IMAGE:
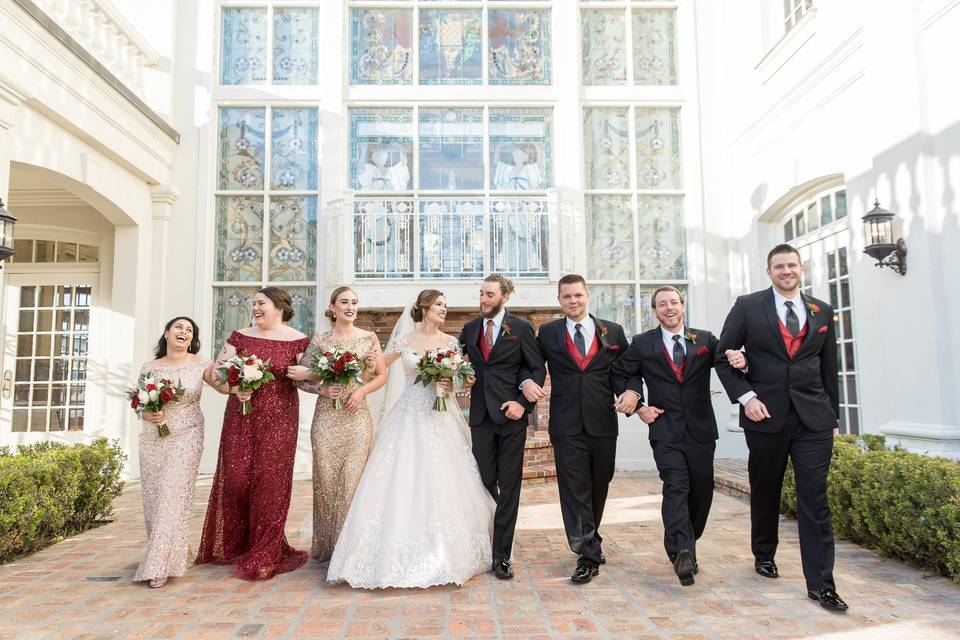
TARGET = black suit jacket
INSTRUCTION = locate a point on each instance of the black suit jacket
(686, 405)
(808, 381)
(498, 379)
(581, 399)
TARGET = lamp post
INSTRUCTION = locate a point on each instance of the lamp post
(880, 245)
(6, 232)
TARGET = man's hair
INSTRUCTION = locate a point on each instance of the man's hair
(506, 285)
(571, 278)
(782, 248)
(653, 298)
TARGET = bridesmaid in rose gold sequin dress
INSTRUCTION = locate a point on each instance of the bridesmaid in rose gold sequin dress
(247, 511)
(168, 466)
(340, 438)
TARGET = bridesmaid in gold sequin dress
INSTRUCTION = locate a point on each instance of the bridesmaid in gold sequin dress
(168, 466)
(341, 438)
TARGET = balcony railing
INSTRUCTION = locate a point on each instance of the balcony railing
(450, 237)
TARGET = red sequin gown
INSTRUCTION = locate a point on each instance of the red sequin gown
(251, 490)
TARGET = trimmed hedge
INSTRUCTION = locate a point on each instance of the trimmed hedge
(902, 505)
(50, 490)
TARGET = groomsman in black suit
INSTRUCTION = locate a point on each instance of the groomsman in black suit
(675, 362)
(789, 406)
(499, 346)
(580, 350)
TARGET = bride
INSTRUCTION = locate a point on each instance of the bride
(420, 516)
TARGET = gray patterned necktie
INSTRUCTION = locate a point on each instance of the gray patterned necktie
(677, 351)
(793, 322)
(578, 340)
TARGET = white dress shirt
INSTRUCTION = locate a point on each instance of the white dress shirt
(587, 328)
(667, 337)
(497, 323)
(798, 308)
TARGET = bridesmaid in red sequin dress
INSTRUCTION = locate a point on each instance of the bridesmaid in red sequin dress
(251, 490)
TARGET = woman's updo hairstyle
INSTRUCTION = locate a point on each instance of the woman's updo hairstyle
(328, 313)
(281, 300)
(426, 298)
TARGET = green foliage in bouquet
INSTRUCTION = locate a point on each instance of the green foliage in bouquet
(49, 491)
(902, 505)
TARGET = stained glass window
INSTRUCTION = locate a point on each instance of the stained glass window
(519, 46)
(293, 238)
(295, 136)
(615, 302)
(239, 239)
(518, 237)
(381, 149)
(451, 50)
(610, 237)
(296, 45)
(244, 46)
(606, 137)
(451, 149)
(521, 149)
(654, 47)
(383, 238)
(381, 42)
(451, 238)
(662, 245)
(604, 47)
(658, 148)
(241, 147)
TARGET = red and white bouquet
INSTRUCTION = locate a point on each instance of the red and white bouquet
(437, 364)
(248, 373)
(151, 394)
(338, 367)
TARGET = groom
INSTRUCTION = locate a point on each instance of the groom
(500, 346)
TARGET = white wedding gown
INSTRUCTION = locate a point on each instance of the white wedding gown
(420, 515)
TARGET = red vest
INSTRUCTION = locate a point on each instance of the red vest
(792, 343)
(582, 362)
(484, 349)
(677, 371)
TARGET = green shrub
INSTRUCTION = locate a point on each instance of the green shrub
(903, 505)
(50, 490)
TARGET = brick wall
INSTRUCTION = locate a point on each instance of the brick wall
(382, 322)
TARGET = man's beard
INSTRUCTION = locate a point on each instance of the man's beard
(493, 313)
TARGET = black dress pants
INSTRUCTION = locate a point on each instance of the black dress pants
(498, 449)
(686, 468)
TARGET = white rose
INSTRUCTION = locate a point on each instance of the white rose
(457, 358)
(250, 373)
(447, 363)
(153, 395)
(143, 396)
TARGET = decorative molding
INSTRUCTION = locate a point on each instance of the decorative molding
(45, 198)
(93, 62)
(164, 194)
(922, 431)
(799, 194)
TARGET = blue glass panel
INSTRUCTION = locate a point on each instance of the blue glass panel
(450, 47)
(381, 149)
(451, 238)
(293, 163)
(383, 238)
(451, 149)
(244, 47)
(296, 45)
(381, 46)
(241, 148)
(521, 149)
(518, 237)
(519, 46)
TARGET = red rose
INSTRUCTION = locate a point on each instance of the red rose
(348, 357)
(167, 394)
(249, 361)
(233, 376)
(134, 402)
(151, 387)
(327, 354)
(439, 357)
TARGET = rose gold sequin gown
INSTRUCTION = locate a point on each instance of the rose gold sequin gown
(341, 443)
(168, 474)
(251, 490)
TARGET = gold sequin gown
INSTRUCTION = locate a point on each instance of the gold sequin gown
(168, 474)
(341, 442)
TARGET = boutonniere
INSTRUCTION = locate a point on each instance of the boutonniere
(813, 309)
(505, 331)
(690, 335)
(702, 351)
(603, 329)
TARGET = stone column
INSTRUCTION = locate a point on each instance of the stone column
(162, 198)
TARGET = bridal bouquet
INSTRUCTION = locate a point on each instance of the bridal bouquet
(338, 367)
(437, 364)
(248, 372)
(151, 394)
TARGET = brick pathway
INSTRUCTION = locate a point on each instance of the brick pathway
(80, 588)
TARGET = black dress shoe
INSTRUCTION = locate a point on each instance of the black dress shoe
(766, 568)
(684, 566)
(584, 573)
(502, 569)
(828, 599)
(603, 558)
